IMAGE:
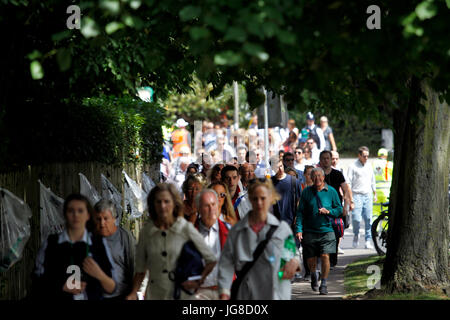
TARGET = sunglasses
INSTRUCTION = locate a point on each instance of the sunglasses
(290, 159)
(299, 152)
(222, 195)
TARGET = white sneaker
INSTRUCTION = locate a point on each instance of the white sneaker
(355, 241)
(340, 251)
(369, 245)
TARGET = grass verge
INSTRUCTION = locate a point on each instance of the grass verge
(356, 276)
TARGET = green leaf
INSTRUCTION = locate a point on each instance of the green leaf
(228, 57)
(409, 19)
(135, 4)
(219, 22)
(189, 13)
(36, 70)
(128, 20)
(255, 50)
(235, 34)
(64, 59)
(448, 3)
(61, 35)
(34, 55)
(198, 33)
(426, 10)
(113, 6)
(89, 28)
(286, 37)
(269, 29)
(113, 27)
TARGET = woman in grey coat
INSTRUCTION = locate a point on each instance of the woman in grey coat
(262, 282)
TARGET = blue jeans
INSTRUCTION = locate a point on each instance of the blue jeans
(363, 209)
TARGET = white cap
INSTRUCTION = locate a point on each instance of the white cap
(181, 123)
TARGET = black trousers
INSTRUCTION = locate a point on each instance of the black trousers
(334, 256)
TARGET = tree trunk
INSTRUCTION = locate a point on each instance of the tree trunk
(418, 255)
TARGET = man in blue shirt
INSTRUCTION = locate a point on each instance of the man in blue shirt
(288, 161)
(318, 203)
(289, 188)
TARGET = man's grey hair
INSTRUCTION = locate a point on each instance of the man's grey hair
(317, 169)
(198, 196)
(106, 205)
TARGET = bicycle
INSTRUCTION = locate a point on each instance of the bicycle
(379, 230)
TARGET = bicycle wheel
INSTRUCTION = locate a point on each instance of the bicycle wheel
(379, 232)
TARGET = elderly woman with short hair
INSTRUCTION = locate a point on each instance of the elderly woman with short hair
(160, 243)
(262, 281)
(121, 244)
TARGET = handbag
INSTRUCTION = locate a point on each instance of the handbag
(246, 268)
(336, 223)
(189, 266)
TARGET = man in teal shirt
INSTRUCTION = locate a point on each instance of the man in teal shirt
(313, 226)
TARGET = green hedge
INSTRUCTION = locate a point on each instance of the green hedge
(106, 129)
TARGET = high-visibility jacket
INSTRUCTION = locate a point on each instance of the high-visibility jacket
(180, 138)
(382, 170)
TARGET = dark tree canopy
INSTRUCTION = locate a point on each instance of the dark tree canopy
(322, 47)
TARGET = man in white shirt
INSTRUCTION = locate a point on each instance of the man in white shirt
(299, 164)
(362, 182)
(214, 232)
(315, 152)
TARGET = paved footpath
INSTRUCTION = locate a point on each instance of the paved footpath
(302, 290)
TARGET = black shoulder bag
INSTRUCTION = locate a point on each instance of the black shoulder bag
(241, 274)
(189, 264)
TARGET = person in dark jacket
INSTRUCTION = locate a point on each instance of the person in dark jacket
(75, 264)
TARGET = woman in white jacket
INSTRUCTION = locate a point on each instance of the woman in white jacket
(242, 241)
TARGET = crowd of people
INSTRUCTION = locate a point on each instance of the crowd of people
(241, 216)
(219, 144)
